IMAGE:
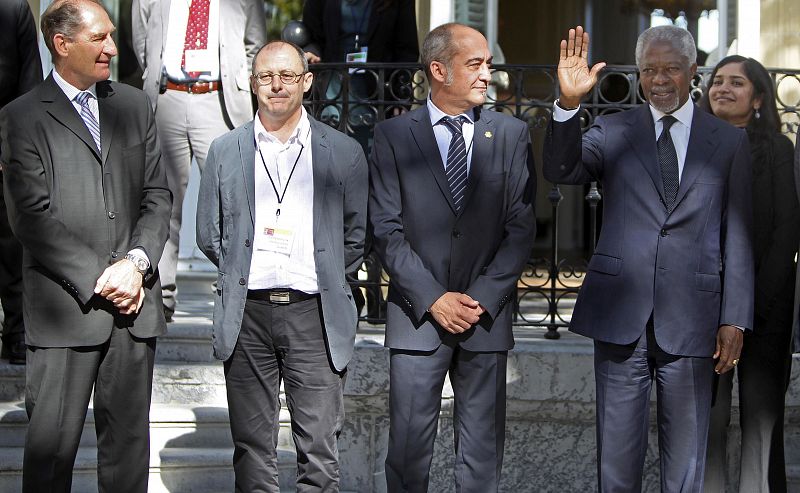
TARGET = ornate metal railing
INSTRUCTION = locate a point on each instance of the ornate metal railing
(353, 98)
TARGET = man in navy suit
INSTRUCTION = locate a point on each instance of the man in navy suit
(451, 204)
(670, 286)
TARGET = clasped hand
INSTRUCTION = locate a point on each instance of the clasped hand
(456, 312)
(121, 284)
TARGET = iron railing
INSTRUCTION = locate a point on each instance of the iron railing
(352, 98)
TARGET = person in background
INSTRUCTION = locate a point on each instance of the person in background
(741, 92)
(20, 71)
(196, 57)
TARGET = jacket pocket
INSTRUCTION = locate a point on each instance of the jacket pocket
(605, 264)
(707, 282)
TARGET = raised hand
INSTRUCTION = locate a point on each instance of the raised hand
(575, 77)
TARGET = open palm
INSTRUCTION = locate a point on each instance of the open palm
(575, 78)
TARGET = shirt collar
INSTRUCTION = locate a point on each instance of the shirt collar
(683, 114)
(436, 114)
(69, 90)
(299, 135)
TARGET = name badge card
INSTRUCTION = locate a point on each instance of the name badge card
(356, 57)
(278, 240)
(198, 61)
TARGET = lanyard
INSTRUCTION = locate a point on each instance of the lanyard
(359, 22)
(280, 196)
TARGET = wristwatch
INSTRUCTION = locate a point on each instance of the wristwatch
(141, 264)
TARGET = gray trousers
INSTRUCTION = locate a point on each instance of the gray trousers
(763, 378)
(624, 376)
(416, 379)
(187, 123)
(58, 386)
(284, 342)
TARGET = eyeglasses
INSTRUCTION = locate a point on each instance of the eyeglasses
(288, 78)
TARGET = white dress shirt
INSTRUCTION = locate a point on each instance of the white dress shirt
(270, 268)
(176, 35)
(443, 134)
(679, 131)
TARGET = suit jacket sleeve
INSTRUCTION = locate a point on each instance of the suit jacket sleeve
(406, 45)
(776, 265)
(355, 210)
(140, 17)
(570, 159)
(30, 73)
(209, 220)
(503, 271)
(407, 271)
(737, 256)
(255, 31)
(313, 20)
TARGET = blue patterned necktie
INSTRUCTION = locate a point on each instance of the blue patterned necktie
(668, 162)
(456, 160)
(88, 117)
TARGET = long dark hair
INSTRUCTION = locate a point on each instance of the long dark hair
(763, 86)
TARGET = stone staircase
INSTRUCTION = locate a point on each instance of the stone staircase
(550, 435)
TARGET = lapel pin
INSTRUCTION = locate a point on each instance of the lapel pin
(487, 134)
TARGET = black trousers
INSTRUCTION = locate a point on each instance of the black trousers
(763, 379)
(58, 386)
(10, 276)
(284, 342)
(479, 416)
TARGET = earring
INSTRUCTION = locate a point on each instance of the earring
(757, 114)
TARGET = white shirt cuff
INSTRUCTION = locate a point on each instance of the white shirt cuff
(138, 252)
(562, 115)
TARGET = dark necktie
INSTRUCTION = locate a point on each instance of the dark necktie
(668, 162)
(456, 160)
(196, 30)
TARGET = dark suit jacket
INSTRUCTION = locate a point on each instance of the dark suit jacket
(428, 249)
(776, 225)
(20, 65)
(226, 218)
(692, 269)
(76, 212)
(391, 32)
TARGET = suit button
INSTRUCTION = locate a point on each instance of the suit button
(242, 282)
(664, 233)
(456, 233)
(111, 215)
(114, 254)
(247, 242)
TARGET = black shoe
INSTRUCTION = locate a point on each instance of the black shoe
(14, 351)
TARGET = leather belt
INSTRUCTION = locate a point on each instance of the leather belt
(279, 296)
(195, 87)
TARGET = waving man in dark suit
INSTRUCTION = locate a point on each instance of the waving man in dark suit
(88, 201)
(670, 285)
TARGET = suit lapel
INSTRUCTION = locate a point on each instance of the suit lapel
(247, 155)
(320, 163)
(61, 109)
(641, 136)
(699, 152)
(482, 141)
(423, 135)
(108, 117)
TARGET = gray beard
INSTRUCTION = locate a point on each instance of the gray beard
(668, 107)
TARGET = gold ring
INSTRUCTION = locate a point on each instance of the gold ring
(735, 362)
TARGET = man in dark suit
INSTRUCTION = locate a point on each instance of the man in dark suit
(282, 214)
(451, 204)
(20, 71)
(670, 285)
(89, 203)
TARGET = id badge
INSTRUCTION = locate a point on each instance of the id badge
(278, 240)
(198, 61)
(356, 57)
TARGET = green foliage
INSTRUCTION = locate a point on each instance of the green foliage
(279, 13)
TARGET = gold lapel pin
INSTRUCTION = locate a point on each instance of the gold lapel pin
(487, 134)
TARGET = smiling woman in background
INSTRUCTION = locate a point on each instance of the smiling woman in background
(741, 92)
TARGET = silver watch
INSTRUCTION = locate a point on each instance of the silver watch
(141, 264)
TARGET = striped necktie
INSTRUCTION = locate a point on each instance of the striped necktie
(456, 160)
(88, 117)
(668, 162)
